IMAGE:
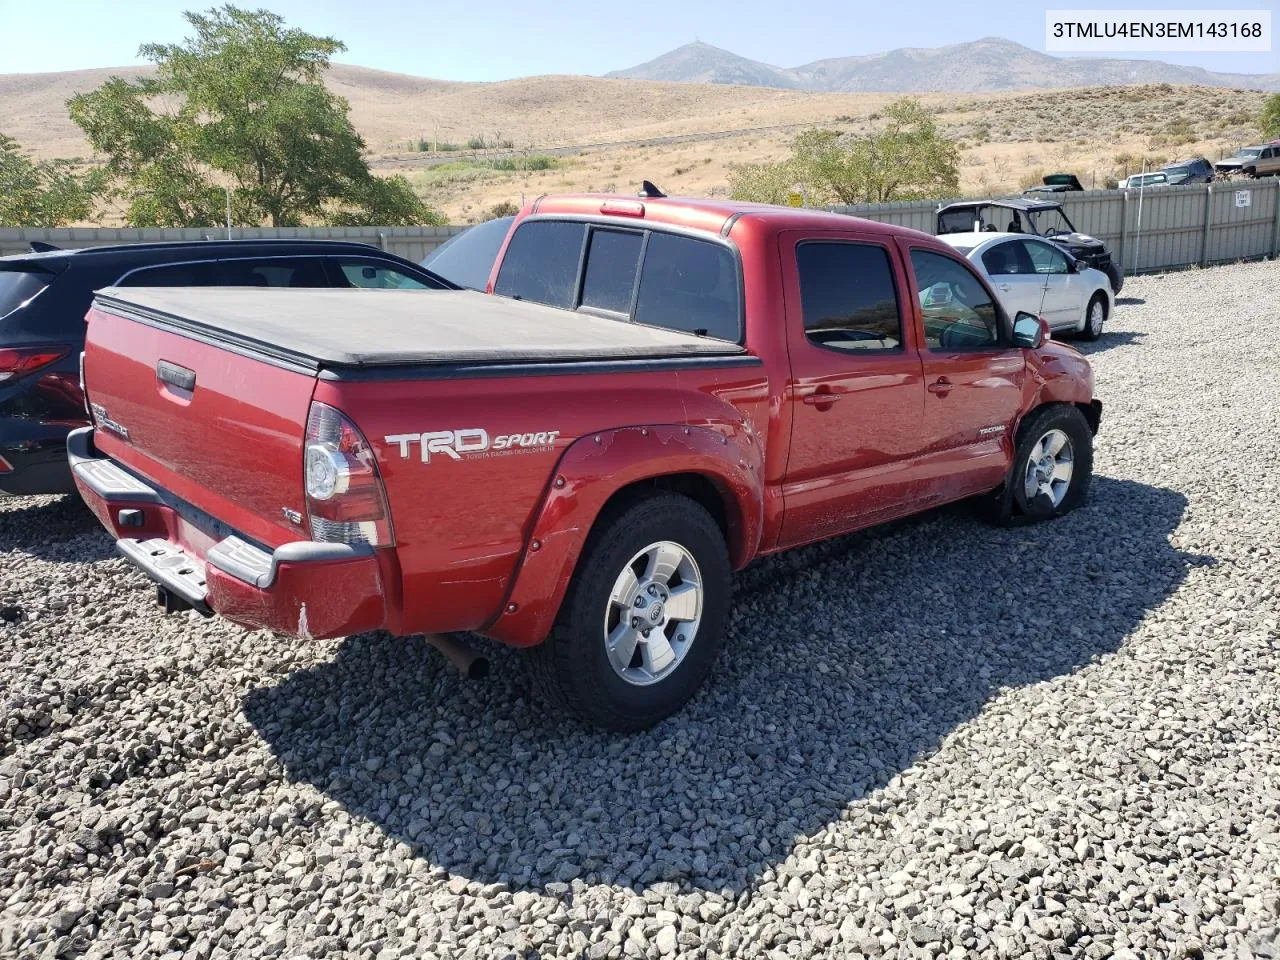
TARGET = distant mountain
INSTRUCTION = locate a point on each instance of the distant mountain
(703, 63)
(986, 65)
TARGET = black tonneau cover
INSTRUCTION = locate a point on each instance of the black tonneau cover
(319, 328)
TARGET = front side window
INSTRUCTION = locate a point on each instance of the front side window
(1046, 259)
(541, 262)
(378, 276)
(958, 312)
(848, 296)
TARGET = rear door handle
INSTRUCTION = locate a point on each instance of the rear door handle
(941, 387)
(1005, 287)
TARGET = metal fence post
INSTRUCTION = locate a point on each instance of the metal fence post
(1208, 225)
(1124, 231)
(1275, 226)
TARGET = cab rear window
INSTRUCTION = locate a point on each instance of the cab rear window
(541, 263)
(647, 276)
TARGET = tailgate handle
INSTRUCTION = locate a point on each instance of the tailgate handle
(176, 376)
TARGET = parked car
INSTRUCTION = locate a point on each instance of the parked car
(466, 258)
(45, 295)
(1259, 161)
(661, 391)
(1055, 183)
(1140, 181)
(1042, 218)
(1195, 170)
(1034, 276)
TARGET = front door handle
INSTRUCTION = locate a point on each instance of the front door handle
(941, 387)
(821, 398)
(1005, 287)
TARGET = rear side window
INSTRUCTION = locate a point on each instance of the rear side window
(271, 272)
(266, 272)
(848, 296)
(1009, 258)
(541, 262)
(174, 275)
(689, 285)
(19, 286)
(610, 278)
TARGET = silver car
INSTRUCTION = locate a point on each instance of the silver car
(1040, 277)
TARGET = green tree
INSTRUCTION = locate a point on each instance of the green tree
(765, 182)
(241, 104)
(44, 193)
(905, 158)
(1270, 119)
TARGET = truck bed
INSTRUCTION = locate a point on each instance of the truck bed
(318, 328)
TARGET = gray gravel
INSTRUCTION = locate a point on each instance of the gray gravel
(939, 739)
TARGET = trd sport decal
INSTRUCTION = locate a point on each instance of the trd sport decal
(469, 441)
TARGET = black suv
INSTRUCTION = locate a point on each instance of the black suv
(1042, 218)
(45, 294)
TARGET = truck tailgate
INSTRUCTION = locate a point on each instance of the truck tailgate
(220, 429)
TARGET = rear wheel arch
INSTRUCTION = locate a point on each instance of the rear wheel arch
(702, 488)
(719, 469)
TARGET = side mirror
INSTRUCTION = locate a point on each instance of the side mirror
(1028, 331)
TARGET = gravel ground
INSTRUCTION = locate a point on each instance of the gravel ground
(939, 739)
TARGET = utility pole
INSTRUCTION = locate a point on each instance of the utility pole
(228, 190)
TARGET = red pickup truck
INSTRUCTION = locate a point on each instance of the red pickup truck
(654, 393)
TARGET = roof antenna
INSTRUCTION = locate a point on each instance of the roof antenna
(647, 189)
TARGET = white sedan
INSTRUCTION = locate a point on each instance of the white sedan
(1039, 277)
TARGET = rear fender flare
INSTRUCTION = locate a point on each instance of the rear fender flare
(596, 467)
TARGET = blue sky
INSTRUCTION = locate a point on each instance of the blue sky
(499, 39)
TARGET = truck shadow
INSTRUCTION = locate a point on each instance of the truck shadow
(845, 664)
(60, 529)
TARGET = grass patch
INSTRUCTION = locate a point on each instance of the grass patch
(471, 170)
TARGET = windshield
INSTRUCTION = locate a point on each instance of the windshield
(1051, 222)
(467, 258)
(963, 220)
(1249, 153)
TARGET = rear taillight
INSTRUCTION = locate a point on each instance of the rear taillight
(17, 362)
(5, 466)
(345, 499)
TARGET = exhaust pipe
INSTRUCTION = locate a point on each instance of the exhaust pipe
(469, 662)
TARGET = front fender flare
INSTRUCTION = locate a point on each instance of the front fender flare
(596, 467)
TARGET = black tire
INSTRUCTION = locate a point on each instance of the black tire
(1115, 276)
(1068, 419)
(1089, 333)
(572, 667)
